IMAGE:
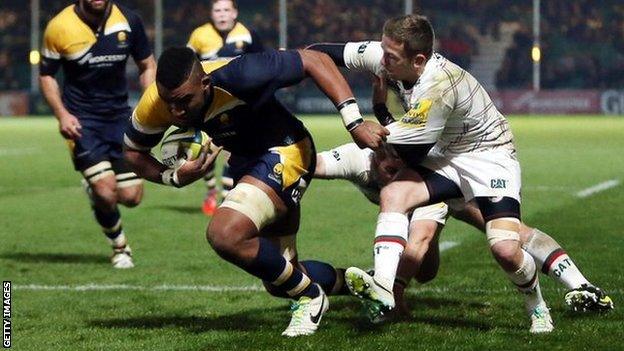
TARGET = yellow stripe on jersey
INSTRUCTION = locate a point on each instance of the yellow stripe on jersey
(67, 36)
(152, 115)
(295, 161)
(116, 22)
(206, 41)
(222, 101)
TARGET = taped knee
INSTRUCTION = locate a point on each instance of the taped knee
(253, 203)
(502, 229)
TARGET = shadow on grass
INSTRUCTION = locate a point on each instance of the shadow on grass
(178, 208)
(29, 257)
(243, 321)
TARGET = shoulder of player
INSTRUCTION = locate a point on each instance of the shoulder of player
(151, 111)
(126, 14)
(62, 20)
(240, 29)
(203, 29)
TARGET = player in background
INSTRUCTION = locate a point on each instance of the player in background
(273, 158)
(473, 158)
(91, 41)
(370, 170)
(222, 37)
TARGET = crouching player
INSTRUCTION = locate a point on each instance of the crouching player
(370, 170)
(273, 158)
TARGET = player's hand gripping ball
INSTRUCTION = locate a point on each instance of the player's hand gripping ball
(181, 145)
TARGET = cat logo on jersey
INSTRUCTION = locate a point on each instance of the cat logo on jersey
(417, 116)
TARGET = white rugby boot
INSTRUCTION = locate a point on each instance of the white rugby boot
(541, 322)
(122, 257)
(306, 314)
(377, 300)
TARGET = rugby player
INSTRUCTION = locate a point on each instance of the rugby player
(223, 37)
(273, 157)
(473, 158)
(91, 40)
(370, 170)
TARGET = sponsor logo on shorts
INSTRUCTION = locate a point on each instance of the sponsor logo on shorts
(498, 183)
(276, 175)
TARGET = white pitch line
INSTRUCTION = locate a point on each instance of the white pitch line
(598, 188)
(444, 245)
(248, 288)
(116, 287)
(447, 245)
(17, 151)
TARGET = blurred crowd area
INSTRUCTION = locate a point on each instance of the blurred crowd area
(581, 41)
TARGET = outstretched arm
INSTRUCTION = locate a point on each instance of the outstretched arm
(325, 73)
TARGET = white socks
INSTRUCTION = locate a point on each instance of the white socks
(390, 241)
(553, 260)
(525, 278)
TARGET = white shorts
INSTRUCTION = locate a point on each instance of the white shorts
(479, 174)
(436, 212)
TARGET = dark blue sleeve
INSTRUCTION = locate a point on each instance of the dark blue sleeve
(48, 66)
(256, 77)
(140, 48)
(256, 43)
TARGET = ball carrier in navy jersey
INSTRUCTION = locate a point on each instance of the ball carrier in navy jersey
(273, 158)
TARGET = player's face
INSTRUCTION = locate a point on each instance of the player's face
(385, 164)
(186, 102)
(223, 15)
(398, 65)
(95, 6)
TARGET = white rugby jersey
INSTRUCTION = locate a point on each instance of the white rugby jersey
(446, 106)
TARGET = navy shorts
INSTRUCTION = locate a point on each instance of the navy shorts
(102, 140)
(286, 169)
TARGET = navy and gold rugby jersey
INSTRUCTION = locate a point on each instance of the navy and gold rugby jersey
(94, 63)
(210, 44)
(243, 114)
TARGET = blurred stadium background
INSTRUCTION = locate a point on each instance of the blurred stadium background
(576, 71)
(182, 296)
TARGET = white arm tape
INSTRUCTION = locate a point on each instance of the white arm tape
(170, 177)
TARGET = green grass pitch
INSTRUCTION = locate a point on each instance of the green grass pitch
(181, 296)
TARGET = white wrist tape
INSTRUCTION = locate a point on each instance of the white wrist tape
(170, 177)
(350, 112)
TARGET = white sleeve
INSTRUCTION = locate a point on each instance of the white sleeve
(347, 161)
(364, 56)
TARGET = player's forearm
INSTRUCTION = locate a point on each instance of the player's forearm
(144, 165)
(52, 94)
(328, 78)
(326, 75)
(147, 71)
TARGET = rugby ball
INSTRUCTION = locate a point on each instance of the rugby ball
(181, 145)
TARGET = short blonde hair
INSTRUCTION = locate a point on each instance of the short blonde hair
(413, 31)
